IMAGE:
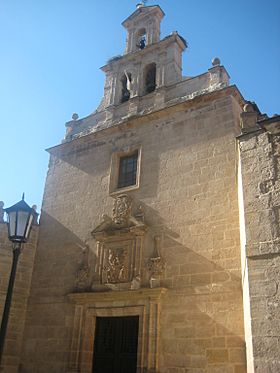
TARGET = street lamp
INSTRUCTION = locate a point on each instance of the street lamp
(20, 217)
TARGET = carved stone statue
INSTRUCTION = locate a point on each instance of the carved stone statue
(156, 264)
(83, 273)
(36, 215)
(116, 267)
(139, 214)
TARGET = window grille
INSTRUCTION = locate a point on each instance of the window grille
(128, 170)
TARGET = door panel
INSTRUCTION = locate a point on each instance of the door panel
(115, 346)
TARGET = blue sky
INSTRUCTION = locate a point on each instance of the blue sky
(51, 52)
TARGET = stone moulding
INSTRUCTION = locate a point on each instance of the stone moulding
(144, 303)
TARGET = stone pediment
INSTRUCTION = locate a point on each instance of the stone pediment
(122, 220)
(142, 12)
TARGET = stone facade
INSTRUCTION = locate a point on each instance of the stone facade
(167, 247)
(188, 193)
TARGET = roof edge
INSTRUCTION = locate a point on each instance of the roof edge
(232, 90)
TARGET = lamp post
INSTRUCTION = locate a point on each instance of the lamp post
(20, 218)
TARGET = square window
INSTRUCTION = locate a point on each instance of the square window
(125, 170)
(128, 170)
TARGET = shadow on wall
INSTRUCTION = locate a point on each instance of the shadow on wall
(197, 340)
(48, 326)
(203, 308)
(196, 269)
(57, 258)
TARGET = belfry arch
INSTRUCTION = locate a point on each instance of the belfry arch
(125, 87)
(149, 77)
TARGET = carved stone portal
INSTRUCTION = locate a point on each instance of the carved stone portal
(145, 303)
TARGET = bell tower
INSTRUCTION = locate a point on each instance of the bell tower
(148, 65)
(143, 27)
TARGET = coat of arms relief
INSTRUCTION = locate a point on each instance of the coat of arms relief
(118, 250)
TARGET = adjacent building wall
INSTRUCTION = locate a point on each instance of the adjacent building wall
(259, 155)
(13, 344)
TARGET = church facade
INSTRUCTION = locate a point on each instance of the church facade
(158, 245)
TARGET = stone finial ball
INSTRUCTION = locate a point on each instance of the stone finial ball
(75, 116)
(34, 207)
(248, 108)
(216, 61)
(1, 204)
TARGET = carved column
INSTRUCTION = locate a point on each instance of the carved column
(76, 340)
(153, 341)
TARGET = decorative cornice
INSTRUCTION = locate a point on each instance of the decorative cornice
(90, 139)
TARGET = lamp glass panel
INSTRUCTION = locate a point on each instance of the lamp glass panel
(12, 223)
(22, 223)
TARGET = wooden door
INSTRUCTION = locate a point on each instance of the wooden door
(115, 344)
